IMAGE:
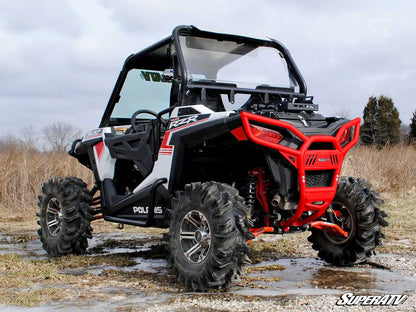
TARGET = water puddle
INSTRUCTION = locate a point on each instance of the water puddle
(26, 246)
(309, 276)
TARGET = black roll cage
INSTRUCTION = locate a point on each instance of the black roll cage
(167, 54)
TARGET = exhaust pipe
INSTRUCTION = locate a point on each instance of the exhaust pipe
(276, 200)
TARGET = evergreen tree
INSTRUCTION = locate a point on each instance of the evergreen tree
(369, 128)
(381, 122)
(412, 133)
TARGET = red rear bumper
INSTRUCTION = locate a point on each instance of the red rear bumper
(310, 163)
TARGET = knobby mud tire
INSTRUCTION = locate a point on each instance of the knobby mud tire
(364, 205)
(69, 198)
(223, 210)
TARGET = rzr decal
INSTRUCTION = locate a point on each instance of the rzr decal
(182, 121)
(179, 123)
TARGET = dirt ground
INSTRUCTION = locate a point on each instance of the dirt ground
(127, 270)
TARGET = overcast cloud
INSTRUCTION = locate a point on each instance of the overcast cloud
(59, 59)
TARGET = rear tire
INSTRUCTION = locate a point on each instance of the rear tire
(356, 210)
(64, 216)
(208, 235)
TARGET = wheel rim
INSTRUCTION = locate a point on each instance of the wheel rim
(195, 236)
(54, 216)
(345, 220)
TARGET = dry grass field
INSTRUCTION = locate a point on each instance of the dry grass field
(392, 171)
(22, 175)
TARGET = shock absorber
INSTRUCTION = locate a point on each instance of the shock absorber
(250, 192)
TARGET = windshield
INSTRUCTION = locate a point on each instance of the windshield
(142, 89)
(245, 64)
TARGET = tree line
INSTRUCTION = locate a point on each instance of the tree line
(382, 125)
(57, 137)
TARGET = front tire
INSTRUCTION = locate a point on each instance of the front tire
(208, 235)
(64, 216)
(356, 209)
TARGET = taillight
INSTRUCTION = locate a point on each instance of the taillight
(346, 136)
(265, 134)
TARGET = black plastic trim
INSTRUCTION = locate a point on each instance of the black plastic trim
(113, 202)
(191, 136)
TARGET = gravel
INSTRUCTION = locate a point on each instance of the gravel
(404, 265)
(300, 303)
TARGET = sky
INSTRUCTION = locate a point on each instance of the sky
(59, 60)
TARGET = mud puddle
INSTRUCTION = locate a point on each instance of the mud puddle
(146, 250)
(143, 255)
(308, 276)
(26, 246)
(283, 277)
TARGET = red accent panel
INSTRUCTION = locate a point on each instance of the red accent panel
(165, 141)
(312, 199)
(99, 148)
(239, 134)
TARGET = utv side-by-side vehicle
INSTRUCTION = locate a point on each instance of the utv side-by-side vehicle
(214, 137)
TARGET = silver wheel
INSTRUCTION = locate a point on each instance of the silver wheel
(54, 216)
(195, 236)
(355, 209)
(207, 237)
(344, 218)
(64, 216)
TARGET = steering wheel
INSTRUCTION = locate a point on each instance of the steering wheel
(145, 111)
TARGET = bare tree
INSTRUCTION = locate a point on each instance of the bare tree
(10, 142)
(29, 138)
(59, 135)
(342, 112)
